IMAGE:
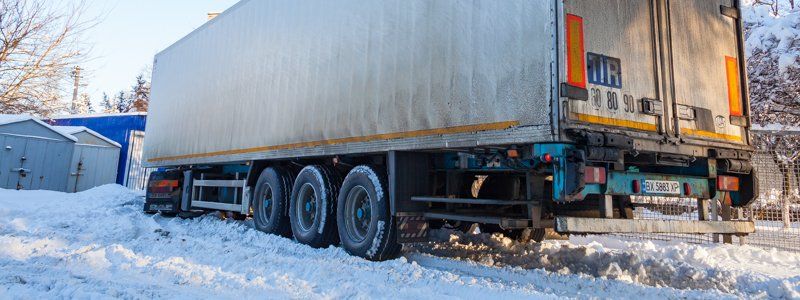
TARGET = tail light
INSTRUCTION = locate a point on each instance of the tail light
(546, 158)
(164, 183)
(162, 186)
(576, 56)
(636, 186)
(728, 183)
(596, 175)
(734, 88)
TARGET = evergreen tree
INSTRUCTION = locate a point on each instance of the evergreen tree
(123, 102)
(84, 105)
(141, 94)
(108, 105)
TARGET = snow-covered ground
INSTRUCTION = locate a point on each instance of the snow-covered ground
(98, 244)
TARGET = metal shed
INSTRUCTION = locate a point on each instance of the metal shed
(94, 161)
(33, 155)
(127, 129)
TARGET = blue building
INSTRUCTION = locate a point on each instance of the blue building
(126, 129)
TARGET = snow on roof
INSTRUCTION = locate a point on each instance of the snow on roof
(10, 119)
(71, 130)
(86, 116)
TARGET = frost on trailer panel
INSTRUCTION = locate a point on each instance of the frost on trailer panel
(273, 75)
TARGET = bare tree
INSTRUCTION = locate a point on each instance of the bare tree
(38, 47)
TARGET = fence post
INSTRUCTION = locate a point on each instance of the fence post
(715, 214)
(786, 213)
(726, 216)
(740, 217)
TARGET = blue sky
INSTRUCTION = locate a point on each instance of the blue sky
(131, 32)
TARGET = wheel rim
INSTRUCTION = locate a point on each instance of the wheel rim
(265, 207)
(358, 214)
(306, 208)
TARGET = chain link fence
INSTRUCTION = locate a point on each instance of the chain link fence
(776, 210)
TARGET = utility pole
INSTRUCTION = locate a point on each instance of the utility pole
(76, 75)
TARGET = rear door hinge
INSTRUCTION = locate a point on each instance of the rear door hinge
(729, 11)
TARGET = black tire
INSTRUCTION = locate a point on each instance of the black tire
(366, 225)
(271, 201)
(312, 211)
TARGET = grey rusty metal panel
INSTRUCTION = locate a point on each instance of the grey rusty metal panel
(92, 166)
(671, 51)
(621, 29)
(702, 38)
(328, 77)
(29, 162)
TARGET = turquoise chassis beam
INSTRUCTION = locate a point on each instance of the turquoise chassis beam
(568, 182)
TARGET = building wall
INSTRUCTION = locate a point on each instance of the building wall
(115, 127)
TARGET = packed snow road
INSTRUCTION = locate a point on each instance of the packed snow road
(98, 244)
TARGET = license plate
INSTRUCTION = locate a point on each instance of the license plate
(662, 187)
(161, 207)
(160, 196)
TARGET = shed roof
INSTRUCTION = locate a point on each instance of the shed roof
(71, 130)
(11, 119)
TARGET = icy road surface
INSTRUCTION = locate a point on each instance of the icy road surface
(98, 244)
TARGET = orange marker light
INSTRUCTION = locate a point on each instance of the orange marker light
(734, 88)
(728, 183)
(164, 183)
(576, 54)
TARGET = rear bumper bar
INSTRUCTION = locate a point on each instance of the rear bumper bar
(596, 225)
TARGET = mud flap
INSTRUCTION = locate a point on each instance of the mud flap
(412, 228)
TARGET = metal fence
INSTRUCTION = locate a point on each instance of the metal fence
(776, 211)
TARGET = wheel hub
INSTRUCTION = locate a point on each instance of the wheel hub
(358, 213)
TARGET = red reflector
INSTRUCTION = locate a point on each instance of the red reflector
(687, 189)
(637, 187)
(595, 175)
(547, 158)
(728, 183)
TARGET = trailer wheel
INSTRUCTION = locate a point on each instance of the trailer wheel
(366, 225)
(271, 197)
(312, 211)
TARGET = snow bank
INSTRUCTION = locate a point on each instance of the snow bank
(99, 244)
(739, 270)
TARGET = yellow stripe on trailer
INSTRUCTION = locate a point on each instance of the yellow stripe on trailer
(386, 136)
(615, 122)
(713, 135)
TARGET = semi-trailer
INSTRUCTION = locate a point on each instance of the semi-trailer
(367, 123)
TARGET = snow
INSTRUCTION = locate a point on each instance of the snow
(773, 34)
(98, 244)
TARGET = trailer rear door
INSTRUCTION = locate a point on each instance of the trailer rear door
(667, 68)
(618, 55)
(708, 85)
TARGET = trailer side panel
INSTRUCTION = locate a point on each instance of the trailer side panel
(282, 75)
